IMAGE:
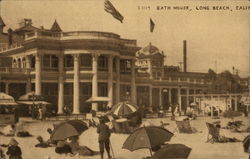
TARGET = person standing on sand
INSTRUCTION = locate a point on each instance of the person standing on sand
(14, 151)
(104, 135)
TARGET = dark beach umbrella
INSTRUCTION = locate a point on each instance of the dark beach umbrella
(246, 143)
(147, 137)
(68, 129)
(172, 151)
(124, 108)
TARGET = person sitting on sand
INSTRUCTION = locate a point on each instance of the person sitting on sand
(77, 149)
(14, 151)
(20, 130)
(42, 143)
(50, 131)
(8, 130)
(63, 147)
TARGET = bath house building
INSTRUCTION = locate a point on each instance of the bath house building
(87, 70)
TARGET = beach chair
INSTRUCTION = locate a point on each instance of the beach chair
(213, 133)
(184, 127)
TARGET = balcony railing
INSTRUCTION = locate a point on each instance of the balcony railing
(11, 47)
(14, 70)
(49, 69)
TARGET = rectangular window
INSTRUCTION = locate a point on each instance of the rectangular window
(46, 61)
(68, 61)
(125, 66)
(102, 89)
(54, 61)
(49, 89)
(86, 60)
(68, 89)
(86, 89)
(102, 63)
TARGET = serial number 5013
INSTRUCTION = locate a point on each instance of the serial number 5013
(143, 7)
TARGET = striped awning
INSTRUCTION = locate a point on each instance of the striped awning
(124, 108)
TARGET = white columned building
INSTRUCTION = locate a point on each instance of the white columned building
(76, 100)
(60, 85)
(94, 80)
(38, 80)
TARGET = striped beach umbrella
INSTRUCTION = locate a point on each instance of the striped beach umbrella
(124, 108)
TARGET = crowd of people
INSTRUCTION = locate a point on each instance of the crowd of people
(38, 112)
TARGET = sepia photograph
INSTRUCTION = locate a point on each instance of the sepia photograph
(124, 79)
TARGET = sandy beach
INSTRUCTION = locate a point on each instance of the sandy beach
(197, 141)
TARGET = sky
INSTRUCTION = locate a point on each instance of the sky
(215, 39)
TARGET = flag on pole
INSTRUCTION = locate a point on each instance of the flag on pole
(108, 7)
(152, 25)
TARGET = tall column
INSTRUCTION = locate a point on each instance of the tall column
(133, 87)
(76, 99)
(179, 99)
(117, 63)
(94, 80)
(38, 81)
(187, 97)
(170, 95)
(230, 102)
(235, 104)
(160, 97)
(150, 96)
(28, 62)
(28, 85)
(60, 86)
(110, 81)
(7, 88)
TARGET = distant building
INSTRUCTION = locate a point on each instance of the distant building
(88, 69)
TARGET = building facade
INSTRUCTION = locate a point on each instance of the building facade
(86, 70)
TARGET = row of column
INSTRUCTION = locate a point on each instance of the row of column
(170, 96)
(76, 82)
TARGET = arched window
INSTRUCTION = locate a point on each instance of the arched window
(14, 63)
(32, 61)
(19, 63)
(23, 62)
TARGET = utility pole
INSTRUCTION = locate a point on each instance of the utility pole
(216, 66)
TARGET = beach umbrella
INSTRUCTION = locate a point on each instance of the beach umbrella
(147, 137)
(246, 144)
(6, 99)
(32, 98)
(124, 108)
(68, 129)
(172, 151)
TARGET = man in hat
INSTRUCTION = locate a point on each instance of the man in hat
(14, 151)
(104, 135)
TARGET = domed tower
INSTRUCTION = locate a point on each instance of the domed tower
(151, 60)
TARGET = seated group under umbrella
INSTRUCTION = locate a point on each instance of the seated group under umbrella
(154, 138)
